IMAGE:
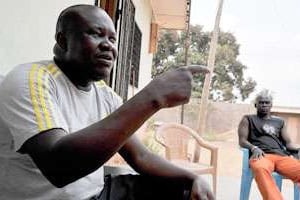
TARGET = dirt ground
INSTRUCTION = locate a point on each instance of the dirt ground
(229, 157)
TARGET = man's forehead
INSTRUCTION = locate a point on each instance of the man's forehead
(83, 9)
(96, 16)
(91, 12)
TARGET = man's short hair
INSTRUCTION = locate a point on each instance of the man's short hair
(67, 18)
(264, 94)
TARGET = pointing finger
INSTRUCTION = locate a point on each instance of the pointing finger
(195, 69)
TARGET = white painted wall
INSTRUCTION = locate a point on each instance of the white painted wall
(143, 14)
(27, 30)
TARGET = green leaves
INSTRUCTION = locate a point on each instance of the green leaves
(228, 82)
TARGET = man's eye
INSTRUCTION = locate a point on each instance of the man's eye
(112, 40)
(96, 35)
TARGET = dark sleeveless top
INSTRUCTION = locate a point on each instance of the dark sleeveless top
(266, 134)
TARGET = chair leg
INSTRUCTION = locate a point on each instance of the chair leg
(278, 180)
(214, 176)
(296, 192)
(245, 185)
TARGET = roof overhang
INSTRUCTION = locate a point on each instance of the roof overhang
(171, 14)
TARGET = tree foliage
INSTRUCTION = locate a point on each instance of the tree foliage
(228, 81)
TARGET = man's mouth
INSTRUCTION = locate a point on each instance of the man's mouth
(106, 56)
(105, 59)
(105, 62)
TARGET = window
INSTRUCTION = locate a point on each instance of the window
(135, 56)
(125, 47)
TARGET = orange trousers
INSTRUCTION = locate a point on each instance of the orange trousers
(262, 169)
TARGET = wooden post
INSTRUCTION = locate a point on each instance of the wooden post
(207, 81)
(187, 46)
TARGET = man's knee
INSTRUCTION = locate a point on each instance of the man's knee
(259, 167)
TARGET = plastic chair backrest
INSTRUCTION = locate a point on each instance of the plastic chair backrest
(176, 139)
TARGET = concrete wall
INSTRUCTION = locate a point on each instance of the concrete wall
(292, 125)
(222, 118)
(225, 117)
(27, 30)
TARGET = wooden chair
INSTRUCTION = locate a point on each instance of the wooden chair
(176, 139)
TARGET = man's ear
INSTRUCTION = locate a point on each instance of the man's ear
(255, 105)
(61, 40)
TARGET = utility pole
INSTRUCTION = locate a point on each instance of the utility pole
(187, 46)
(207, 81)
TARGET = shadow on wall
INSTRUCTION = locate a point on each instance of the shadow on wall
(1, 78)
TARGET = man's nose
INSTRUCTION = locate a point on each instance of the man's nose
(106, 44)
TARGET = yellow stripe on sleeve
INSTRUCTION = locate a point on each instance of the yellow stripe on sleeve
(53, 69)
(34, 97)
(101, 83)
(42, 96)
(50, 103)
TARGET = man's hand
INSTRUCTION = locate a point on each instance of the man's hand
(257, 153)
(201, 190)
(174, 87)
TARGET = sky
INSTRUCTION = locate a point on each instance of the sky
(268, 32)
